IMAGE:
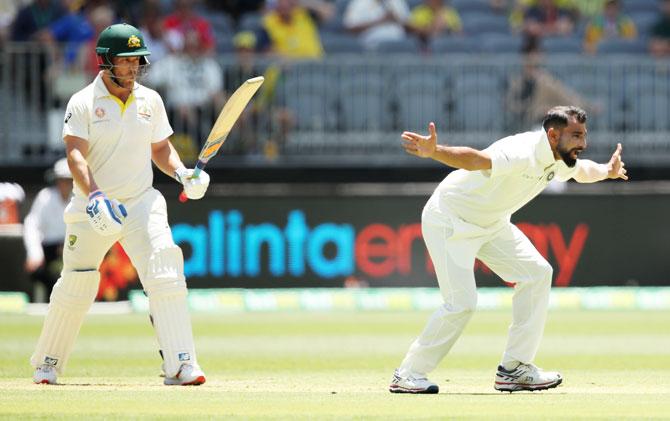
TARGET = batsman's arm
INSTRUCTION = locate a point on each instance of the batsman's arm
(166, 158)
(76, 150)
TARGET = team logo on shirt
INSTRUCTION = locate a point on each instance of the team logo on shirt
(100, 112)
(71, 240)
(144, 112)
(551, 175)
(68, 117)
(134, 42)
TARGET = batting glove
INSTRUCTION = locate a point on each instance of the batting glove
(105, 215)
(194, 188)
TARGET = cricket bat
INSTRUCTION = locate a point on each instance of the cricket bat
(224, 124)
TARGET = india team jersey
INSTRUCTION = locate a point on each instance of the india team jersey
(119, 136)
(522, 166)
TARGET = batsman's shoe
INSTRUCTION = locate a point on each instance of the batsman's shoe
(45, 374)
(188, 375)
(412, 384)
(526, 377)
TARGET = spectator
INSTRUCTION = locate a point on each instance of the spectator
(588, 9)
(72, 29)
(236, 8)
(184, 20)
(151, 25)
(192, 82)
(659, 45)
(30, 21)
(36, 16)
(44, 228)
(246, 67)
(291, 31)
(546, 18)
(11, 194)
(322, 10)
(536, 89)
(264, 112)
(100, 18)
(611, 23)
(433, 18)
(376, 21)
(8, 10)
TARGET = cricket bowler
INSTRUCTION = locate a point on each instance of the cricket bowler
(114, 128)
(468, 217)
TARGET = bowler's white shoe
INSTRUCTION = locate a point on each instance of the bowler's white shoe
(45, 374)
(188, 375)
(526, 377)
(411, 384)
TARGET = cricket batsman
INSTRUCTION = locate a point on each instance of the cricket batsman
(114, 128)
(468, 217)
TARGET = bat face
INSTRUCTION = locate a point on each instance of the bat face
(229, 115)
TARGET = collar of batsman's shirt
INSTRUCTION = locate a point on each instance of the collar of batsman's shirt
(101, 90)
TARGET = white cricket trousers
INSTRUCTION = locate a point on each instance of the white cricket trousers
(453, 245)
(147, 239)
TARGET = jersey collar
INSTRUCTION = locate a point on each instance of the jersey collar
(101, 90)
(543, 152)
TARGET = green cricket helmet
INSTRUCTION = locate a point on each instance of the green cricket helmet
(121, 40)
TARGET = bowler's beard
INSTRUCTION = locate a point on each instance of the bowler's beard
(567, 157)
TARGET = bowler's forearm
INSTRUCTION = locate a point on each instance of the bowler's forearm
(591, 172)
(462, 157)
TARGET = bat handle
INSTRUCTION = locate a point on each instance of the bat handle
(196, 173)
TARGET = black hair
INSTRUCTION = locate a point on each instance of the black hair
(559, 116)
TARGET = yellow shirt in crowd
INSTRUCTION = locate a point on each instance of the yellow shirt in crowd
(298, 38)
(423, 17)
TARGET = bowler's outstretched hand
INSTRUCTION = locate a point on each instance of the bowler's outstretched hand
(421, 146)
(615, 167)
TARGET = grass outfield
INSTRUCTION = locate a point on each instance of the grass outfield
(616, 365)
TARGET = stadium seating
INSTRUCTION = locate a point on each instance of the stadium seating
(475, 24)
(631, 6)
(621, 46)
(400, 46)
(466, 6)
(454, 45)
(364, 102)
(338, 43)
(251, 22)
(562, 45)
(501, 43)
(421, 97)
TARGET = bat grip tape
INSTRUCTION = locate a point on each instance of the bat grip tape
(198, 168)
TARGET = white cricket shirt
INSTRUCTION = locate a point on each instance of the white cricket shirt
(360, 12)
(44, 223)
(119, 137)
(522, 166)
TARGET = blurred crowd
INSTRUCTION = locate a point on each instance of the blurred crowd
(312, 28)
(186, 38)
